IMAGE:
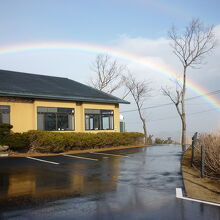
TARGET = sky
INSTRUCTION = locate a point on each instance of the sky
(137, 26)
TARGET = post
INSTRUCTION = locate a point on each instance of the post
(202, 161)
(194, 139)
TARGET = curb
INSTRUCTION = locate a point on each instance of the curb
(179, 195)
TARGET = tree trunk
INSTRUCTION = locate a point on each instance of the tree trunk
(144, 125)
(145, 130)
(183, 116)
(183, 141)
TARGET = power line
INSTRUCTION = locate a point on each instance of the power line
(191, 114)
(171, 103)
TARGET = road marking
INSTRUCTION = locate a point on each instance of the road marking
(116, 155)
(3, 155)
(179, 195)
(85, 158)
(46, 161)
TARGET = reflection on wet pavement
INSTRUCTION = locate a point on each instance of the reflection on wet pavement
(141, 186)
(75, 179)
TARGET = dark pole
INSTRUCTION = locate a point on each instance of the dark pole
(202, 161)
(194, 139)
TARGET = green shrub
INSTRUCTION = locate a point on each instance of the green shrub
(55, 142)
(161, 141)
(5, 130)
(17, 141)
(13, 140)
(45, 141)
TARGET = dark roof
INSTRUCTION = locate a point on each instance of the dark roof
(18, 84)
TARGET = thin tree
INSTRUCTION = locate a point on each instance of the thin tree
(190, 46)
(139, 90)
(108, 74)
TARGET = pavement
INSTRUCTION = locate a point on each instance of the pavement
(136, 183)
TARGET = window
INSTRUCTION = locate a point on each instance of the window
(55, 119)
(96, 119)
(5, 114)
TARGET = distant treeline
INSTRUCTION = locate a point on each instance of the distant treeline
(160, 140)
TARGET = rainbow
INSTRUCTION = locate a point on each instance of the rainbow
(93, 48)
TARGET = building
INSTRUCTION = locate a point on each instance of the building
(37, 102)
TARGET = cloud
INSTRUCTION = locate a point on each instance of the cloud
(77, 66)
(143, 46)
(217, 31)
(160, 53)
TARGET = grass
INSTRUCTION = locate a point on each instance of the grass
(211, 142)
(196, 187)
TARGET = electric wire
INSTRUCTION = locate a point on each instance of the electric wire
(171, 103)
(174, 117)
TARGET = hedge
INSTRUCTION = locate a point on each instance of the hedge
(44, 141)
(5, 130)
(17, 141)
(54, 142)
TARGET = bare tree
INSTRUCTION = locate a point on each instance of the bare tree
(139, 90)
(108, 73)
(190, 46)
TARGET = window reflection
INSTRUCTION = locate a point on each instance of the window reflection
(5, 114)
(35, 183)
(96, 119)
(55, 119)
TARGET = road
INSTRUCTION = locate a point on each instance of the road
(137, 183)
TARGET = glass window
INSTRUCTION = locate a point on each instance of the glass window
(92, 111)
(96, 119)
(65, 110)
(55, 119)
(5, 114)
(40, 122)
(91, 121)
(64, 122)
(87, 121)
(50, 122)
(105, 122)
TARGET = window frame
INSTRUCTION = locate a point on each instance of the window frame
(100, 119)
(9, 113)
(56, 117)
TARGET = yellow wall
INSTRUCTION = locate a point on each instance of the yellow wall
(23, 112)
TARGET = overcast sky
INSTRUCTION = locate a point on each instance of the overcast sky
(137, 26)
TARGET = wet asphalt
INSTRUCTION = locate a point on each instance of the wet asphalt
(137, 183)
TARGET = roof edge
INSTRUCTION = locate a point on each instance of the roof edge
(67, 98)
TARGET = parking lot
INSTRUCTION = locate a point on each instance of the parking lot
(135, 183)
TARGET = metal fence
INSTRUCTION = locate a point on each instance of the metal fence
(198, 157)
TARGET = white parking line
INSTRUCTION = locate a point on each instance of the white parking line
(179, 195)
(116, 155)
(3, 155)
(46, 161)
(85, 158)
